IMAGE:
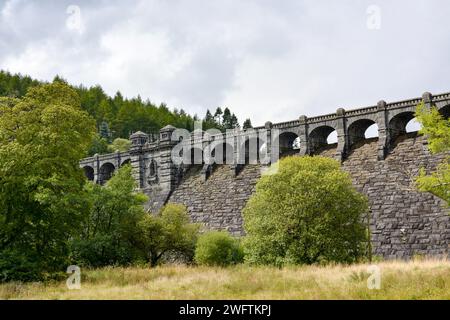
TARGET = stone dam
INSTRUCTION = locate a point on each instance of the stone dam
(403, 221)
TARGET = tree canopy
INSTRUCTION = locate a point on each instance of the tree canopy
(437, 130)
(43, 135)
(118, 117)
(306, 212)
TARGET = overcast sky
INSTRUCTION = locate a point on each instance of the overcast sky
(267, 60)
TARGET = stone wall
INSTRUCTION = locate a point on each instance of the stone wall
(218, 201)
(404, 222)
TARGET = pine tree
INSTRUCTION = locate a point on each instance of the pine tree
(247, 124)
(104, 131)
(218, 115)
(227, 119)
(234, 122)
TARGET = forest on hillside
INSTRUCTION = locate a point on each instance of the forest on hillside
(118, 117)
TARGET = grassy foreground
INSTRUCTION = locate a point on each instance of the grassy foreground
(399, 280)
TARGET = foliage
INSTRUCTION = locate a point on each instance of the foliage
(401, 280)
(218, 248)
(42, 137)
(247, 124)
(117, 117)
(104, 131)
(168, 231)
(115, 210)
(221, 120)
(99, 145)
(119, 144)
(306, 212)
(437, 129)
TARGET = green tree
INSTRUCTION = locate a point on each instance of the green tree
(234, 122)
(209, 121)
(218, 115)
(104, 131)
(114, 211)
(116, 117)
(306, 212)
(98, 145)
(247, 124)
(42, 138)
(227, 119)
(218, 248)
(119, 144)
(437, 130)
(168, 231)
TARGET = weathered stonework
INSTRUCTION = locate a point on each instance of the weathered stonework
(404, 221)
(218, 201)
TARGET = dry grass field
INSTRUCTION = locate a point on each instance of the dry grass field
(428, 279)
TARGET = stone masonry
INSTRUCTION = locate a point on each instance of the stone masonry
(403, 221)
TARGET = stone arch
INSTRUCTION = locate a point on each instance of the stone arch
(287, 143)
(398, 123)
(89, 173)
(249, 150)
(221, 152)
(196, 156)
(125, 162)
(152, 168)
(152, 176)
(357, 131)
(317, 138)
(106, 172)
(445, 111)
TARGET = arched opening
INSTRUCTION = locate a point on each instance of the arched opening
(332, 138)
(413, 126)
(289, 143)
(196, 156)
(152, 176)
(89, 173)
(324, 137)
(249, 151)
(398, 125)
(124, 163)
(106, 172)
(152, 168)
(445, 111)
(361, 130)
(371, 131)
(222, 153)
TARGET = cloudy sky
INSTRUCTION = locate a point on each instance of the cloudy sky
(267, 60)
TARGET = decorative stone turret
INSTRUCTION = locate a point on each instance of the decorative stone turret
(138, 138)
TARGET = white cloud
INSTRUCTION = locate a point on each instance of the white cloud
(267, 60)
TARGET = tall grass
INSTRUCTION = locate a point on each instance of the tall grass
(428, 279)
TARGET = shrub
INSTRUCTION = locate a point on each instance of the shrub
(305, 213)
(115, 210)
(119, 144)
(170, 231)
(218, 248)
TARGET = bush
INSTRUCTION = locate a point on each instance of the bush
(119, 144)
(115, 210)
(307, 212)
(218, 248)
(169, 232)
